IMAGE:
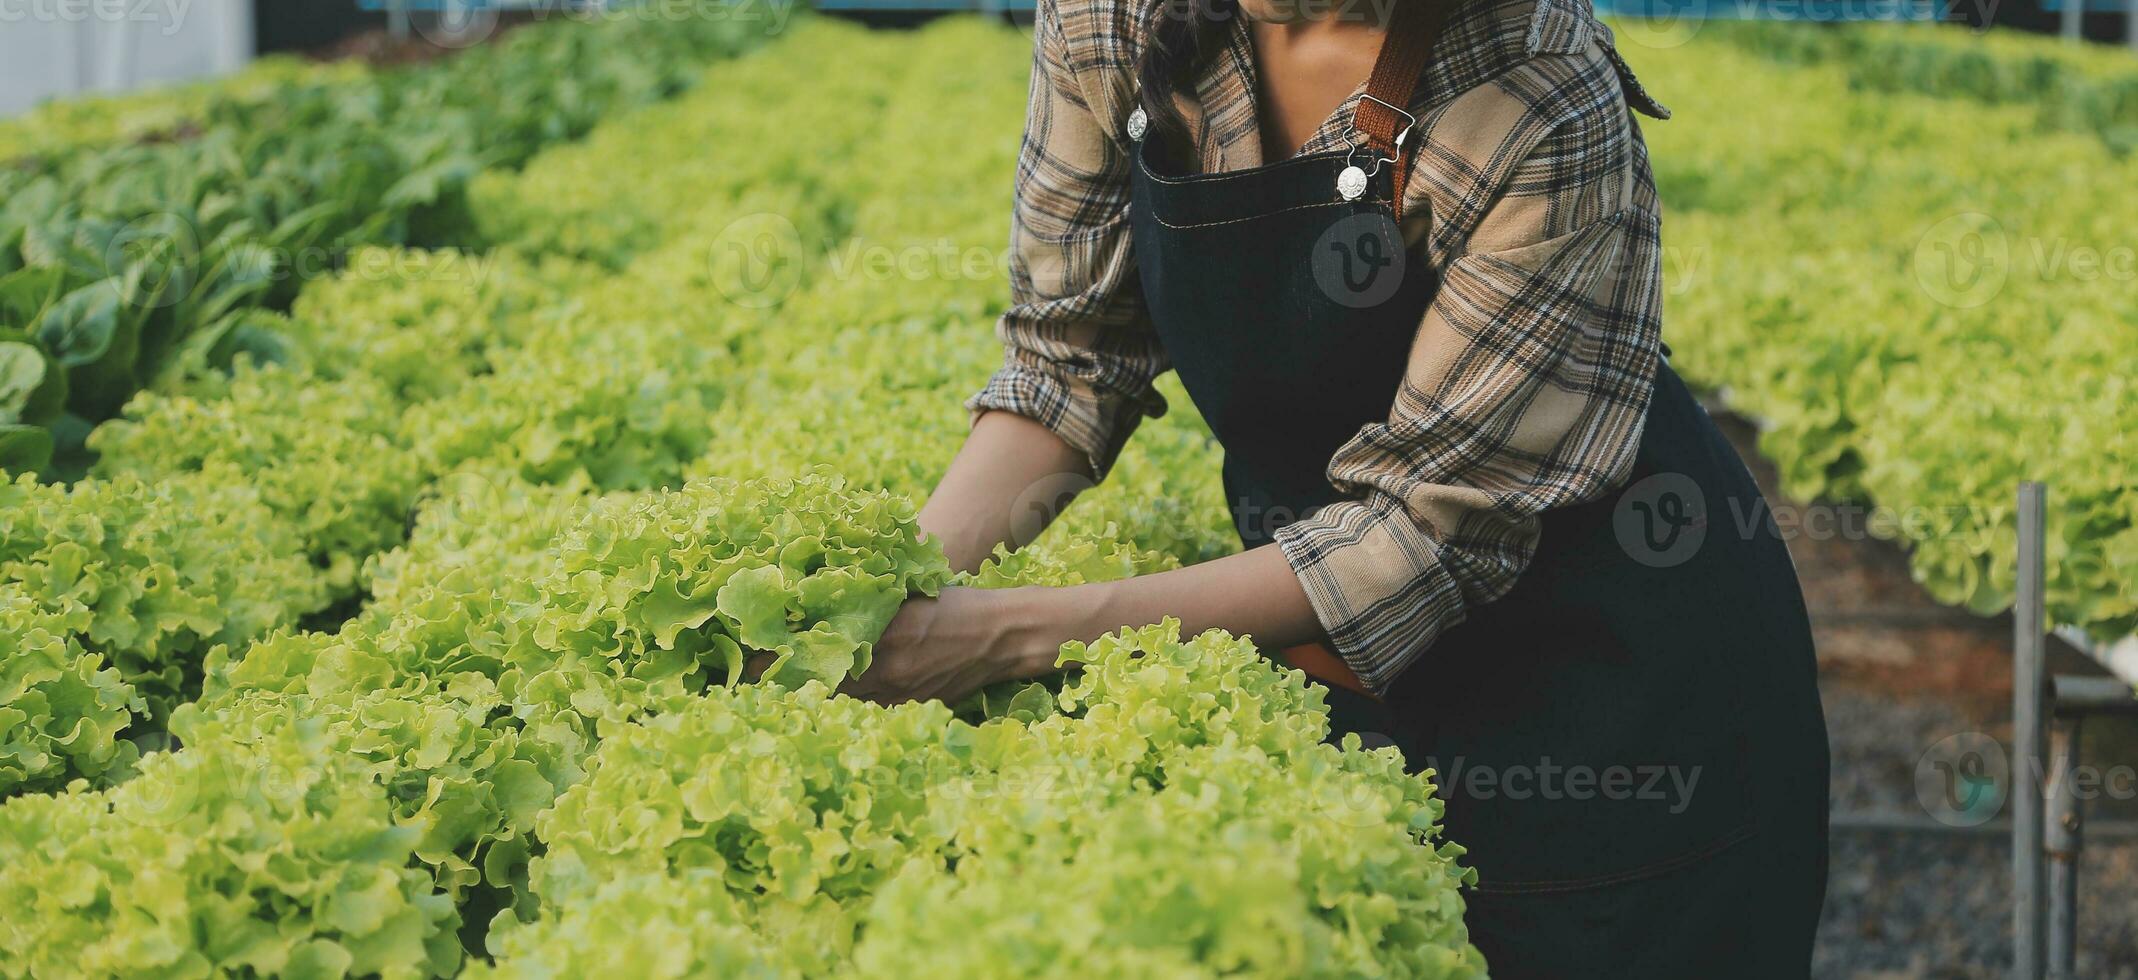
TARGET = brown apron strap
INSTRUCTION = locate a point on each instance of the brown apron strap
(1382, 115)
(1383, 119)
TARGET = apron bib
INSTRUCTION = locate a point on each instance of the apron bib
(1625, 745)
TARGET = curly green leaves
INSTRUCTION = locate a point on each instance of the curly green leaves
(152, 577)
(276, 858)
(903, 842)
(61, 710)
(807, 570)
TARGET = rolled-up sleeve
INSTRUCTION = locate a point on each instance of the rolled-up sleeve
(1079, 352)
(1526, 389)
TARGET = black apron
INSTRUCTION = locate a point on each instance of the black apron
(1630, 741)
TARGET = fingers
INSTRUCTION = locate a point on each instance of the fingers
(874, 695)
(876, 685)
(869, 685)
(881, 684)
(881, 687)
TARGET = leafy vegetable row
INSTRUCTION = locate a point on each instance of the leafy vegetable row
(173, 112)
(114, 257)
(244, 492)
(1921, 322)
(2079, 88)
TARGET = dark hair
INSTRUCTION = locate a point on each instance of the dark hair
(1183, 36)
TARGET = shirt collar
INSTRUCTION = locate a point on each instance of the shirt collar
(1560, 27)
(1480, 41)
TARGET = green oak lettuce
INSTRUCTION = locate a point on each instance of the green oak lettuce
(274, 858)
(153, 577)
(61, 709)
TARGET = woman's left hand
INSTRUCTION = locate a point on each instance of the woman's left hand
(948, 647)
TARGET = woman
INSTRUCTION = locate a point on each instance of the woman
(1422, 316)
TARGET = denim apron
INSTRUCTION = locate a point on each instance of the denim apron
(1630, 741)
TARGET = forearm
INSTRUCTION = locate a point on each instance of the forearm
(1254, 593)
(1008, 481)
(968, 638)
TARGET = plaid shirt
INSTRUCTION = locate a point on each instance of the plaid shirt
(1531, 372)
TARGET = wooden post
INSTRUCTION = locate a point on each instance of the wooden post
(2028, 634)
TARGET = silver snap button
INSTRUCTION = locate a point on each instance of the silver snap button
(1351, 184)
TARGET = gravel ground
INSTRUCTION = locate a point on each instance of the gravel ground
(1903, 904)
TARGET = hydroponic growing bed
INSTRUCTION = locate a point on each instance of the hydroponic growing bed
(394, 624)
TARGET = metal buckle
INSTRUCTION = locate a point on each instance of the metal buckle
(1351, 159)
(1409, 121)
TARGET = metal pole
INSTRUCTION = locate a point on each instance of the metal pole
(2028, 883)
(77, 70)
(2074, 12)
(2065, 815)
(233, 37)
(115, 64)
(2130, 24)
